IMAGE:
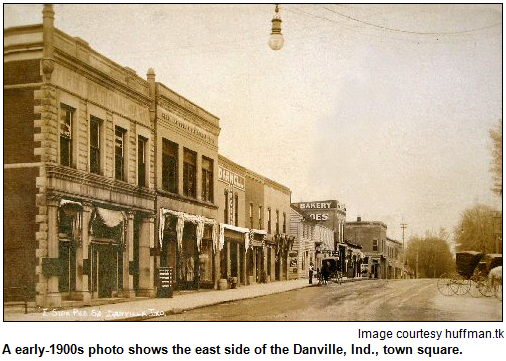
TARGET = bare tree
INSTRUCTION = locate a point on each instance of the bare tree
(496, 164)
(475, 231)
(432, 253)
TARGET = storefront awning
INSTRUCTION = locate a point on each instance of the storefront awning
(111, 218)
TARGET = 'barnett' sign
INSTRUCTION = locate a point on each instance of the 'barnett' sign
(230, 177)
(316, 205)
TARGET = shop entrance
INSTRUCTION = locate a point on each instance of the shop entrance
(106, 270)
(188, 259)
(67, 255)
(259, 264)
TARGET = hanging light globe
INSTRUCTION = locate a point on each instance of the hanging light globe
(276, 39)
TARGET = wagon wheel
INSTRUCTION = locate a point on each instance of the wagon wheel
(485, 288)
(497, 287)
(460, 285)
(444, 284)
(474, 290)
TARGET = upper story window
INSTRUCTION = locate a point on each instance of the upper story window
(190, 173)
(66, 120)
(141, 161)
(207, 179)
(236, 210)
(95, 124)
(169, 166)
(284, 222)
(260, 218)
(375, 245)
(119, 153)
(268, 220)
(225, 209)
(251, 215)
(277, 221)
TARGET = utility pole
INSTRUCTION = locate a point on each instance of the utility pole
(403, 226)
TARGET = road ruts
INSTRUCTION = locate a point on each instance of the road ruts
(371, 300)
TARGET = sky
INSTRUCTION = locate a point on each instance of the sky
(385, 108)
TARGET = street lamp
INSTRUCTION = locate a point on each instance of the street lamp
(276, 40)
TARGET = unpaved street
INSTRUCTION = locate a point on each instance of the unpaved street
(377, 300)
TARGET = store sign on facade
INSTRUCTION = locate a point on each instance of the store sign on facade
(230, 177)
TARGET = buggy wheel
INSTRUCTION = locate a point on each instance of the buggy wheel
(460, 285)
(474, 290)
(444, 284)
(485, 288)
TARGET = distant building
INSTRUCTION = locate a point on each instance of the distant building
(395, 258)
(330, 214)
(372, 236)
(312, 242)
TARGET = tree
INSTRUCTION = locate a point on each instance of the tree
(496, 164)
(475, 231)
(433, 253)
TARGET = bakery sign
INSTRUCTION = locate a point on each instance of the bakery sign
(230, 177)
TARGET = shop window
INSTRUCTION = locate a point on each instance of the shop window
(206, 256)
(260, 218)
(236, 210)
(66, 120)
(277, 221)
(284, 222)
(251, 215)
(268, 220)
(119, 153)
(207, 179)
(141, 161)
(375, 245)
(169, 166)
(190, 173)
(95, 124)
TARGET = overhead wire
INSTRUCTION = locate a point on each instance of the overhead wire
(410, 31)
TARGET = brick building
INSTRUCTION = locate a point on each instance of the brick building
(109, 177)
(79, 175)
(372, 236)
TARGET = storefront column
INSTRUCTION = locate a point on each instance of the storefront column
(128, 256)
(53, 297)
(228, 244)
(273, 263)
(82, 257)
(287, 264)
(146, 259)
(264, 262)
(238, 262)
(254, 265)
(244, 269)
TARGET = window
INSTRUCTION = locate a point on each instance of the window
(66, 117)
(95, 145)
(268, 220)
(225, 209)
(277, 221)
(284, 222)
(251, 215)
(236, 210)
(190, 173)
(260, 211)
(207, 179)
(375, 245)
(169, 166)
(119, 152)
(141, 161)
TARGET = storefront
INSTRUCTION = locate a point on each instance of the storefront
(188, 244)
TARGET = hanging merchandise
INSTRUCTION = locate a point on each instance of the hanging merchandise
(200, 234)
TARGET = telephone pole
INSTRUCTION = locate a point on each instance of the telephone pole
(403, 226)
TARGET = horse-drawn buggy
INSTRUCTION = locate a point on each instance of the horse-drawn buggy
(477, 273)
(331, 270)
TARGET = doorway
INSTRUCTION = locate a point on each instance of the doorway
(105, 277)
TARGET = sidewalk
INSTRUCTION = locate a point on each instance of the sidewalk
(153, 307)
